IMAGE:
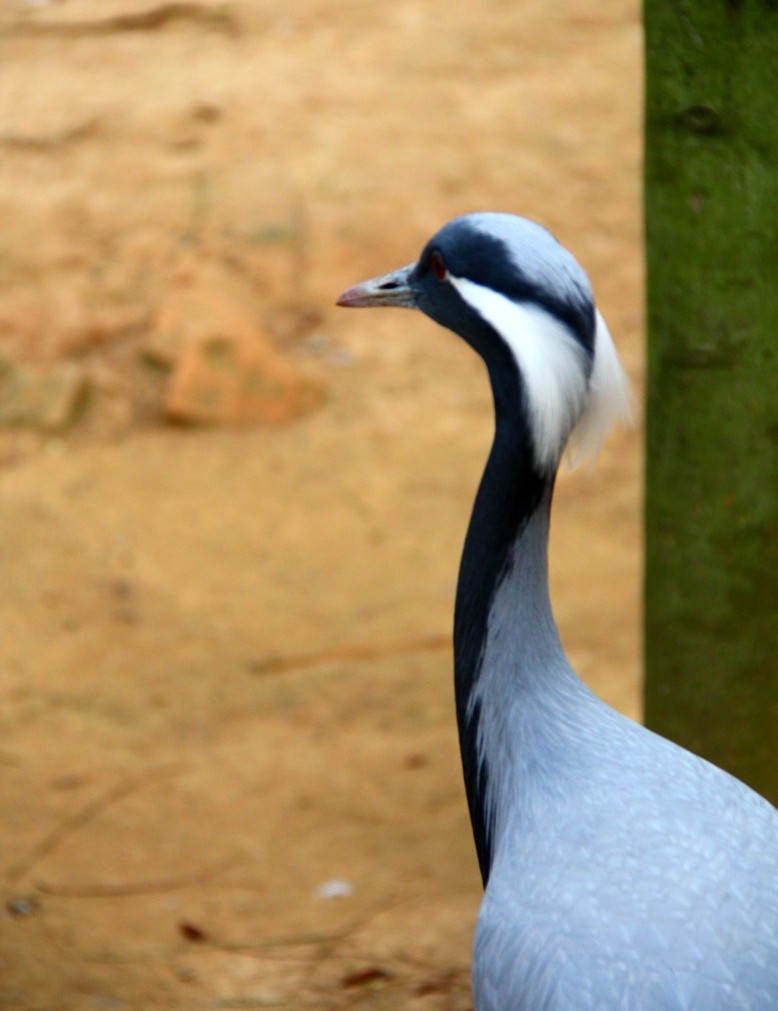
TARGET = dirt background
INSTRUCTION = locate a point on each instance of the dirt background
(225, 672)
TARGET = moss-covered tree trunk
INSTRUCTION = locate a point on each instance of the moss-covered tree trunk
(711, 200)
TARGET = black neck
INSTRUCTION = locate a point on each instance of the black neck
(511, 491)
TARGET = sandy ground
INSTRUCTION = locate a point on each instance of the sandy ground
(225, 673)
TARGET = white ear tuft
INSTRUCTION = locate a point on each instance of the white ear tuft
(552, 364)
(609, 399)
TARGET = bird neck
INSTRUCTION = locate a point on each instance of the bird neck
(505, 637)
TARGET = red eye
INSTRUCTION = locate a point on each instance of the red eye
(439, 267)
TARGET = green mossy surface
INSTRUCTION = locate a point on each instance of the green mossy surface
(711, 200)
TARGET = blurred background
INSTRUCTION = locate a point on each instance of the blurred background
(231, 515)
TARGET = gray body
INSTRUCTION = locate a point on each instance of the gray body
(627, 873)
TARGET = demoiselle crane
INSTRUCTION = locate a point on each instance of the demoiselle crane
(620, 871)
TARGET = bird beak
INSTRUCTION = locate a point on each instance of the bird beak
(391, 289)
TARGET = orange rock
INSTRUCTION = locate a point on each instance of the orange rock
(227, 371)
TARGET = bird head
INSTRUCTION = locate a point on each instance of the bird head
(521, 300)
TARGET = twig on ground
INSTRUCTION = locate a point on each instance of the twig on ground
(349, 652)
(82, 817)
(220, 18)
(119, 889)
(48, 141)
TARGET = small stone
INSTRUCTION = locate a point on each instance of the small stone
(206, 112)
(191, 932)
(335, 889)
(48, 400)
(22, 905)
